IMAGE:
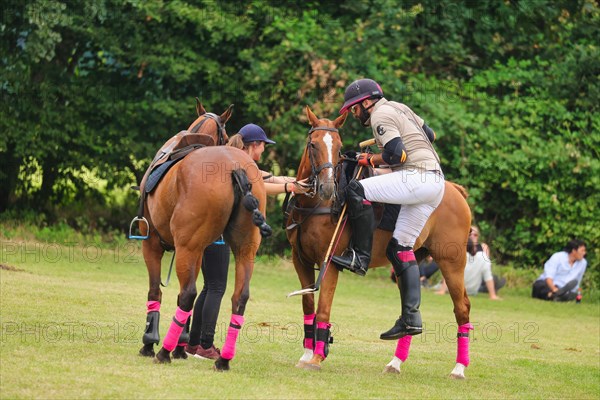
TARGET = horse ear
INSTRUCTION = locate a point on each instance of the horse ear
(312, 118)
(339, 121)
(227, 114)
(199, 108)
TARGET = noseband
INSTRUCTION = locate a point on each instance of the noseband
(316, 169)
(220, 127)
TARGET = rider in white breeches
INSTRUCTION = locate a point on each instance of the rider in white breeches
(416, 181)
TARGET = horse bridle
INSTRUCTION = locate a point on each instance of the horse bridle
(220, 127)
(315, 169)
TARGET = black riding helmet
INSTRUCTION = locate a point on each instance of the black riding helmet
(360, 90)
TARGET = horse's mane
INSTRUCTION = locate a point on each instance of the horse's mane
(461, 189)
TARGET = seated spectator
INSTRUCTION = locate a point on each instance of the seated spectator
(474, 237)
(478, 269)
(427, 268)
(562, 274)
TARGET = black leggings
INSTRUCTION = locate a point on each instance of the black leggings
(206, 310)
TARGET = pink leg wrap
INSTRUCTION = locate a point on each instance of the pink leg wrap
(406, 256)
(152, 306)
(320, 346)
(309, 319)
(462, 343)
(233, 331)
(402, 348)
(179, 321)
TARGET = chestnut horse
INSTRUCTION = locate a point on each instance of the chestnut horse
(310, 233)
(205, 195)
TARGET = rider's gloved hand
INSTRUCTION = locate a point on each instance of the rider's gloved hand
(366, 160)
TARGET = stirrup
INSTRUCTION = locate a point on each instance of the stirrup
(342, 267)
(139, 237)
(352, 266)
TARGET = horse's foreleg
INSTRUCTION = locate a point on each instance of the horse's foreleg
(306, 275)
(400, 356)
(153, 253)
(323, 327)
(186, 262)
(454, 277)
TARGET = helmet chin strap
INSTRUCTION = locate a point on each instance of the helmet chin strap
(365, 116)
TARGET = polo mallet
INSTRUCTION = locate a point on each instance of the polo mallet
(325, 263)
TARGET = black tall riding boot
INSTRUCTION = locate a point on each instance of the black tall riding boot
(357, 258)
(407, 273)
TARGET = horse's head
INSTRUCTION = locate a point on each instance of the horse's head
(321, 154)
(211, 124)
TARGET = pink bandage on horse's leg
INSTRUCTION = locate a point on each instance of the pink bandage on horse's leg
(233, 331)
(179, 321)
(462, 344)
(402, 348)
(152, 306)
(321, 346)
(309, 321)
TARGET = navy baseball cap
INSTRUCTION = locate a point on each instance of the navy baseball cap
(254, 133)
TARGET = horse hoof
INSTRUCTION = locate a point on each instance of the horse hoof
(179, 353)
(162, 357)
(312, 365)
(390, 370)
(221, 365)
(458, 372)
(147, 351)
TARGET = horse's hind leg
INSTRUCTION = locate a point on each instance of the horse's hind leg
(244, 252)
(153, 253)
(453, 271)
(186, 261)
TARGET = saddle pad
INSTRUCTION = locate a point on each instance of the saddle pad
(390, 215)
(157, 174)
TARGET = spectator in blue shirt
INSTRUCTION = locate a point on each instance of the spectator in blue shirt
(562, 274)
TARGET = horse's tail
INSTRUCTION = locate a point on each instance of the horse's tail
(243, 192)
(461, 189)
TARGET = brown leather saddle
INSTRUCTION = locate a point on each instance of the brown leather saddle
(173, 151)
(181, 145)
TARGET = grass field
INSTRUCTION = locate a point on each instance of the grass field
(72, 318)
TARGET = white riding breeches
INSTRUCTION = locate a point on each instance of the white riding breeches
(419, 193)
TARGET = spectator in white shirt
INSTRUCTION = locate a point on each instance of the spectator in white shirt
(562, 274)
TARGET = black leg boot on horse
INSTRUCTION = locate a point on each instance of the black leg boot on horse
(407, 274)
(357, 258)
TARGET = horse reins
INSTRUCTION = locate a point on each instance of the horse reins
(327, 260)
(312, 182)
(316, 169)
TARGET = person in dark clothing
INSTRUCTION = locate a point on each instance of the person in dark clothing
(208, 303)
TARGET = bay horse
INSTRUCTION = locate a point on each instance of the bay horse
(212, 191)
(310, 230)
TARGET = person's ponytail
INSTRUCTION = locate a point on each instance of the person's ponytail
(236, 141)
